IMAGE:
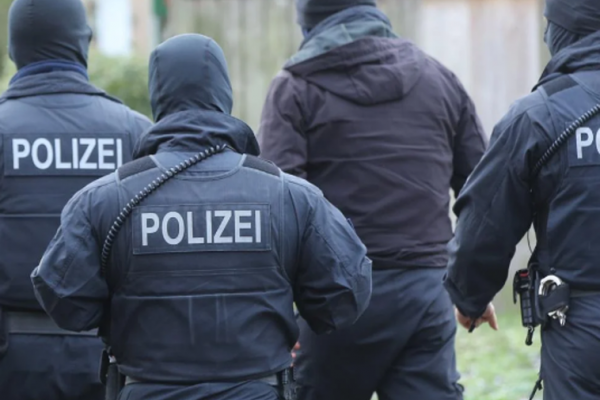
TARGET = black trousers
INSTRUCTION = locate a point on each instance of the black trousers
(402, 347)
(571, 353)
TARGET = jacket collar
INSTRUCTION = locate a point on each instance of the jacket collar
(583, 55)
(194, 131)
(56, 82)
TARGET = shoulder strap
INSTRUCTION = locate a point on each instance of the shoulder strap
(261, 165)
(135, 167)
(557, 85)
(552, 88)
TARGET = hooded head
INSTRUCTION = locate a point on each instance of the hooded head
(189, 72)
(569, 21)
(312, 12)
(43, 30)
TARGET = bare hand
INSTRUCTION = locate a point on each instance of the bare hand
(294, 355)
(488, 316)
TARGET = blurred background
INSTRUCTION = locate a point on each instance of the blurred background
(494, 46)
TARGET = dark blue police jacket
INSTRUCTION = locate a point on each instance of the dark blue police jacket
(496, 207)
(203, 275)
(57, 134)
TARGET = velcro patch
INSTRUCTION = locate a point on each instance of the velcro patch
(201, 228)
(136, 167)
(584, 148)
(58, 154)
(261, 165)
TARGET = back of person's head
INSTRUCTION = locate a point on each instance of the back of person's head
(570, 21)
(189, 72)
(43, 30)
(312, 12)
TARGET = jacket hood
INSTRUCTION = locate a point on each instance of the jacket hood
(41, 30)
(356, 55)
(57, 82)
(197, 130)
(557, 38)
(189, 72)
(368, 71)
(580, 56)
(312, 12)
(581, 17)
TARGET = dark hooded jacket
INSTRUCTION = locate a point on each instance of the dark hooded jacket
(57, 134)
(383, 129)
(211, 301)
(497, 207)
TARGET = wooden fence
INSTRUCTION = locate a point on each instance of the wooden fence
(494, 46)
(257, 37)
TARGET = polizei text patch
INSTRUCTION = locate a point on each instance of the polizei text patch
(196, 228)
(584, 148)
(63, 154)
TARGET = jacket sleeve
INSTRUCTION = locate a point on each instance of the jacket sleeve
(494, 212)
(67, 282)
(281, 134)
(470, 143)
(333, 275)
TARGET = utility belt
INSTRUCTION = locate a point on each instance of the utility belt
(37, 323)
(114, 381)
(543, 299)
(29, 323)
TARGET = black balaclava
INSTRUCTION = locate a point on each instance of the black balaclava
(189, 72)
(570, 21)
(43, 30)
(557, 38)
(312, 12)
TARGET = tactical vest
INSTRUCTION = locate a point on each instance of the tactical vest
(568, 223)
(40, 170)
(199, 290)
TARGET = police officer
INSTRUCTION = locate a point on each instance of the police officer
(386, 132)
(57, 133)
(206, 262)
(507, 193)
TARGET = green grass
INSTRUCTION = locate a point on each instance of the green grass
(498, 365)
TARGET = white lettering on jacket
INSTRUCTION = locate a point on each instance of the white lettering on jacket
(68, 154)
(199, 229)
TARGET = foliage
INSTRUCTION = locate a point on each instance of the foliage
(124, 78)
(498, 365)
(7, 72)
(4, 6)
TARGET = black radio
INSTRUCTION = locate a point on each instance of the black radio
(524, 288)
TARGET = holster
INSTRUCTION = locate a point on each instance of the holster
(538, 315)
(110, 376)
(557, 298)
(536, 308)
(288, 385)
